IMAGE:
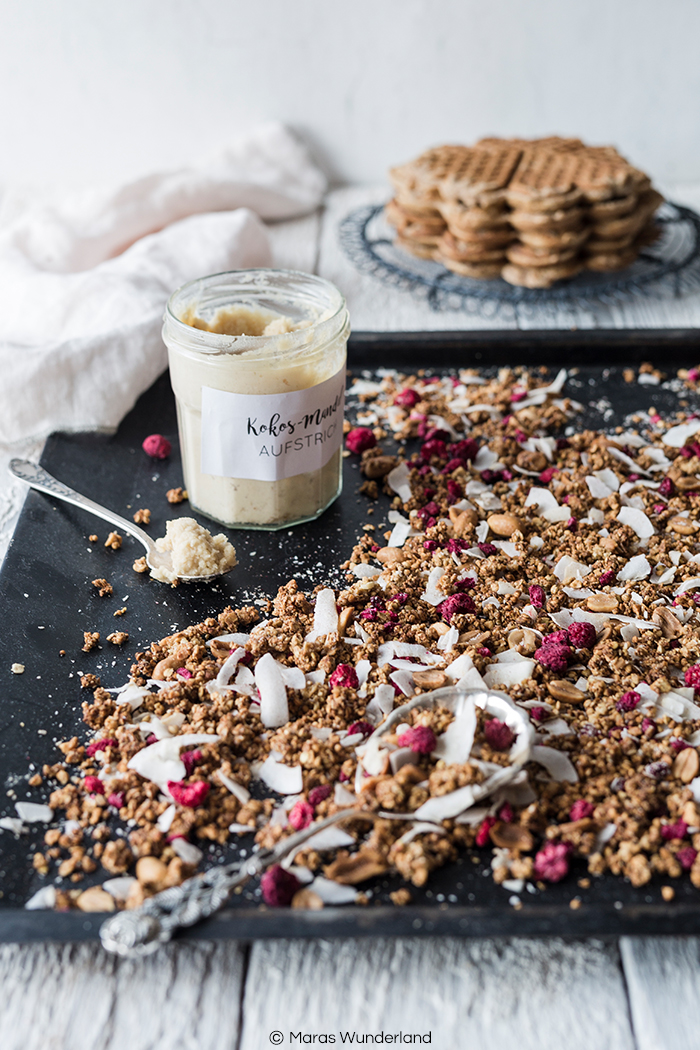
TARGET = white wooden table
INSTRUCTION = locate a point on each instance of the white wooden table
(641, 993)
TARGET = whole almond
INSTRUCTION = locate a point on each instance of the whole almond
(565, 691)
(463, 521)
(345, 618)
(686, 765)
(687, 482)
(432, 679)
(683, 526)
(511, 836)
(96, 899)
(306, 898)
(601, 603)
(504, 524)
(534, 461)
(670, 625)
(389, 555)
(523, 640)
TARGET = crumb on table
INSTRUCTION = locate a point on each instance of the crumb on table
(91, 640)
(104, 589)
(140, 565)
(90, 681)
(114, 540)
(177, 495)
(93, 537)
(143, 516)
(118, 637)
(120, 612)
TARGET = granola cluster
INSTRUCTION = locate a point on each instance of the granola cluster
(553, 567)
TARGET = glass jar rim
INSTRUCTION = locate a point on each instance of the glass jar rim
(199, 340)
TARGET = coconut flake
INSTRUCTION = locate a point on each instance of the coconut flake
(557, 763)
(33, 812)
(381, 704)
(120, 887)
(274, 707)
(342, 797)
(678, 436)
(325, 612)
(687, 585)
(221, 682)
(432, 594)
(166, 819)
(448, 640)
(13, 824)
(43, 900)
(365, 572)
(455, 744)
(161, 762)
(333, 892)
(398, 481)
(331, 837)
(508, 672)
(597, 488)
(423, 827)
(240, 829)
(637, 568)
(285, 780)
(637, 521)
(568, 569)
(404, 680)
(233, 639)
(186, 851)
(236, 789)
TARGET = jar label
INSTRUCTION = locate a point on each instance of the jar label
(265, 437)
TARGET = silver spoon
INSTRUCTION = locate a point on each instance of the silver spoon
(41, 480)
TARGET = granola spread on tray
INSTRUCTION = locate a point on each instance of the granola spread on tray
(558, 569)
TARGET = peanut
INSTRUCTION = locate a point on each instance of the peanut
(535, 461)
(96, 899)
(686, 765)
(601, 603)
(670, 625)
(511, 836)
(683, 526)
(687, 482)
(306, 898)
(389, 555)
(504, 524)
(560, 689)
(432, 679)
(378, 467)
(523, 640)
(463, 520)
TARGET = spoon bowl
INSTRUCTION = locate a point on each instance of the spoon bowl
(40, 479)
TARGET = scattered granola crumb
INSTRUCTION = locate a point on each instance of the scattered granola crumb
(114, 540)
(143, 517)
(91, 640)
(90, 681)
(118, 637)
(575, 903)
(401, 897)
(178, 495)
(93, 537)
(140, 565)
(104, 589)
(668, 893)
(120, 612)
(17, 668)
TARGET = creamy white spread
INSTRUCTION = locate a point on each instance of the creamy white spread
(193, 551)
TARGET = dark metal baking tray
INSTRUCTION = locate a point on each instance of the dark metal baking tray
(47, 601)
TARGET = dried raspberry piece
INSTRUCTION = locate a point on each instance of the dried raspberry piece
(191, 795)
(301, 815)
(487, 549)
(279, 886)
(547, 474)
(692, 676)
(94, 786)
(434, 447)
(420, 739)
(539, 713)
(552, 862)
(454, 491)
(365, 728)
(562, 443)
(678, 744)
(342, 776)
(582, 635)
(674, 831)
(490, 476)
(571, 525)
(152, 739)
(499, 735)
(647, 724)
(693, 375)
(505, 813)
(484, 651)
(452, 464)
(456, 603)
(430, 545)
(157, 446)
(554, 657)
(345, 676)
(581, 809)
(437, 434)
(556, 638)
(686, 857)
(100, 745)
(183, 672)
(116, 799)
(401, 598)
(606, 578)
(659, 508)
(465, 450)
(482, 835)
(520, 436)
(456, 546)
(407, 398)
(667, 488)
(518, 394)
(319, 794)
(686, 452)
(360, 439)
(191, 758)
(431, 508)
(628, 701)
(537, 595)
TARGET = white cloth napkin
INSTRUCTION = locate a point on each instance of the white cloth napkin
(83, 283)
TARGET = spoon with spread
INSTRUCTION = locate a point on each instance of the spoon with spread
(188, 553)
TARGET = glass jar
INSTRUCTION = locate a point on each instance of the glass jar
(260, 414)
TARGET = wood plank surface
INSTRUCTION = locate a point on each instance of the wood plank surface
(77, 997)
(663, 984)
(481, 995)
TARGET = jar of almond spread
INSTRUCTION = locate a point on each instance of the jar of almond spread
(257, 364)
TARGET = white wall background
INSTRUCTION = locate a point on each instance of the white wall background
(95, 90)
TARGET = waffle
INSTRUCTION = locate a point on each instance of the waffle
(535, 211)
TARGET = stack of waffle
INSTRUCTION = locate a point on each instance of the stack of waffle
(530, 211)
